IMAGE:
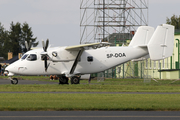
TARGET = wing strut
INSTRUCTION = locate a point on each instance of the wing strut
(76, 60)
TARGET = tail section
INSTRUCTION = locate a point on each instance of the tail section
(161, 43)
(142, 36)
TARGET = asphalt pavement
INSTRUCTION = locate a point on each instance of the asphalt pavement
(89, 115)
(7, 81)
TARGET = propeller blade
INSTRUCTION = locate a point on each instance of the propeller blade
(45, 64)
(47, 43)
(30, 44)
(43, 45)
(26, 44)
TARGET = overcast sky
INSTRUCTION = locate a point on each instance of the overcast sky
(58, 20)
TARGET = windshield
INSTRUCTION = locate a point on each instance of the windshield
(24, 56)
(32, 57)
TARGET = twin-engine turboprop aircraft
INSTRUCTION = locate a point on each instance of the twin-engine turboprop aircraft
(74, 61)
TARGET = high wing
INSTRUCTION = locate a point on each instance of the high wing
(80, 49)
(93, 45)
(76, 49)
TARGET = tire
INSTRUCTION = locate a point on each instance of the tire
(63, 80)
(14, 81)
(75, 80)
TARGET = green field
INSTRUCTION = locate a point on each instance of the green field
(46, 101)
(85, 101)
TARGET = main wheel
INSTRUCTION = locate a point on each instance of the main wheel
(75, 80)
(63, 80)
(14, 81)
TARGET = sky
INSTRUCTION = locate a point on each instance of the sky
(59, 20)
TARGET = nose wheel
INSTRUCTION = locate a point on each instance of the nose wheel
(14, 81)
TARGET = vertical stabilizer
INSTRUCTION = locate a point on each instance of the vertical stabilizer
(161, 43)
(142, 36)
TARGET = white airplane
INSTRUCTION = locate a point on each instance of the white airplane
(74, 61)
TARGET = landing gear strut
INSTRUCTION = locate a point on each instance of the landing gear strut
(14, 81)
(63, 80)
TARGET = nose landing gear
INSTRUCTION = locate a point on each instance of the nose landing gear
(14, 81)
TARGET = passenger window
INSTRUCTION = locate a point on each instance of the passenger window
(32, 57)
(89, 58)
(24, 56)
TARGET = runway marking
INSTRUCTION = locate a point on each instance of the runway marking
(89, 116)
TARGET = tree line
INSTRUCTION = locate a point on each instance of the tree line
(174, 20)
(14, 39)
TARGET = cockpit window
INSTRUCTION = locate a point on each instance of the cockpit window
(32, 57)
(24, 56)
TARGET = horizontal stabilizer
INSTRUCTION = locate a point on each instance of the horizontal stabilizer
(161, 43)
(141, 59)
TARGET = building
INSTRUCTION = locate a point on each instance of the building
(11, 58)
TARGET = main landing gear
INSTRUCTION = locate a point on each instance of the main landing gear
(64, 80)
(75, 80)
(14, 81)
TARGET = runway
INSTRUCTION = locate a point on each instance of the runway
(7, 81)
(90, 115)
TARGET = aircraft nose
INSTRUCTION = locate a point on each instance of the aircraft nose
(10, 68)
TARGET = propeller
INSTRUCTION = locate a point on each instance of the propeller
(45, 46)
(28, 47)
(45, 57)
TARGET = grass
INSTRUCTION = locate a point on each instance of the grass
(87, 88)
(57, 101)
(51, 102)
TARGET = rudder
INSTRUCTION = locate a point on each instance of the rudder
(161, 43)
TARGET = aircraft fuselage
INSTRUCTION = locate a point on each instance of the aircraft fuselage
(91, 60)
